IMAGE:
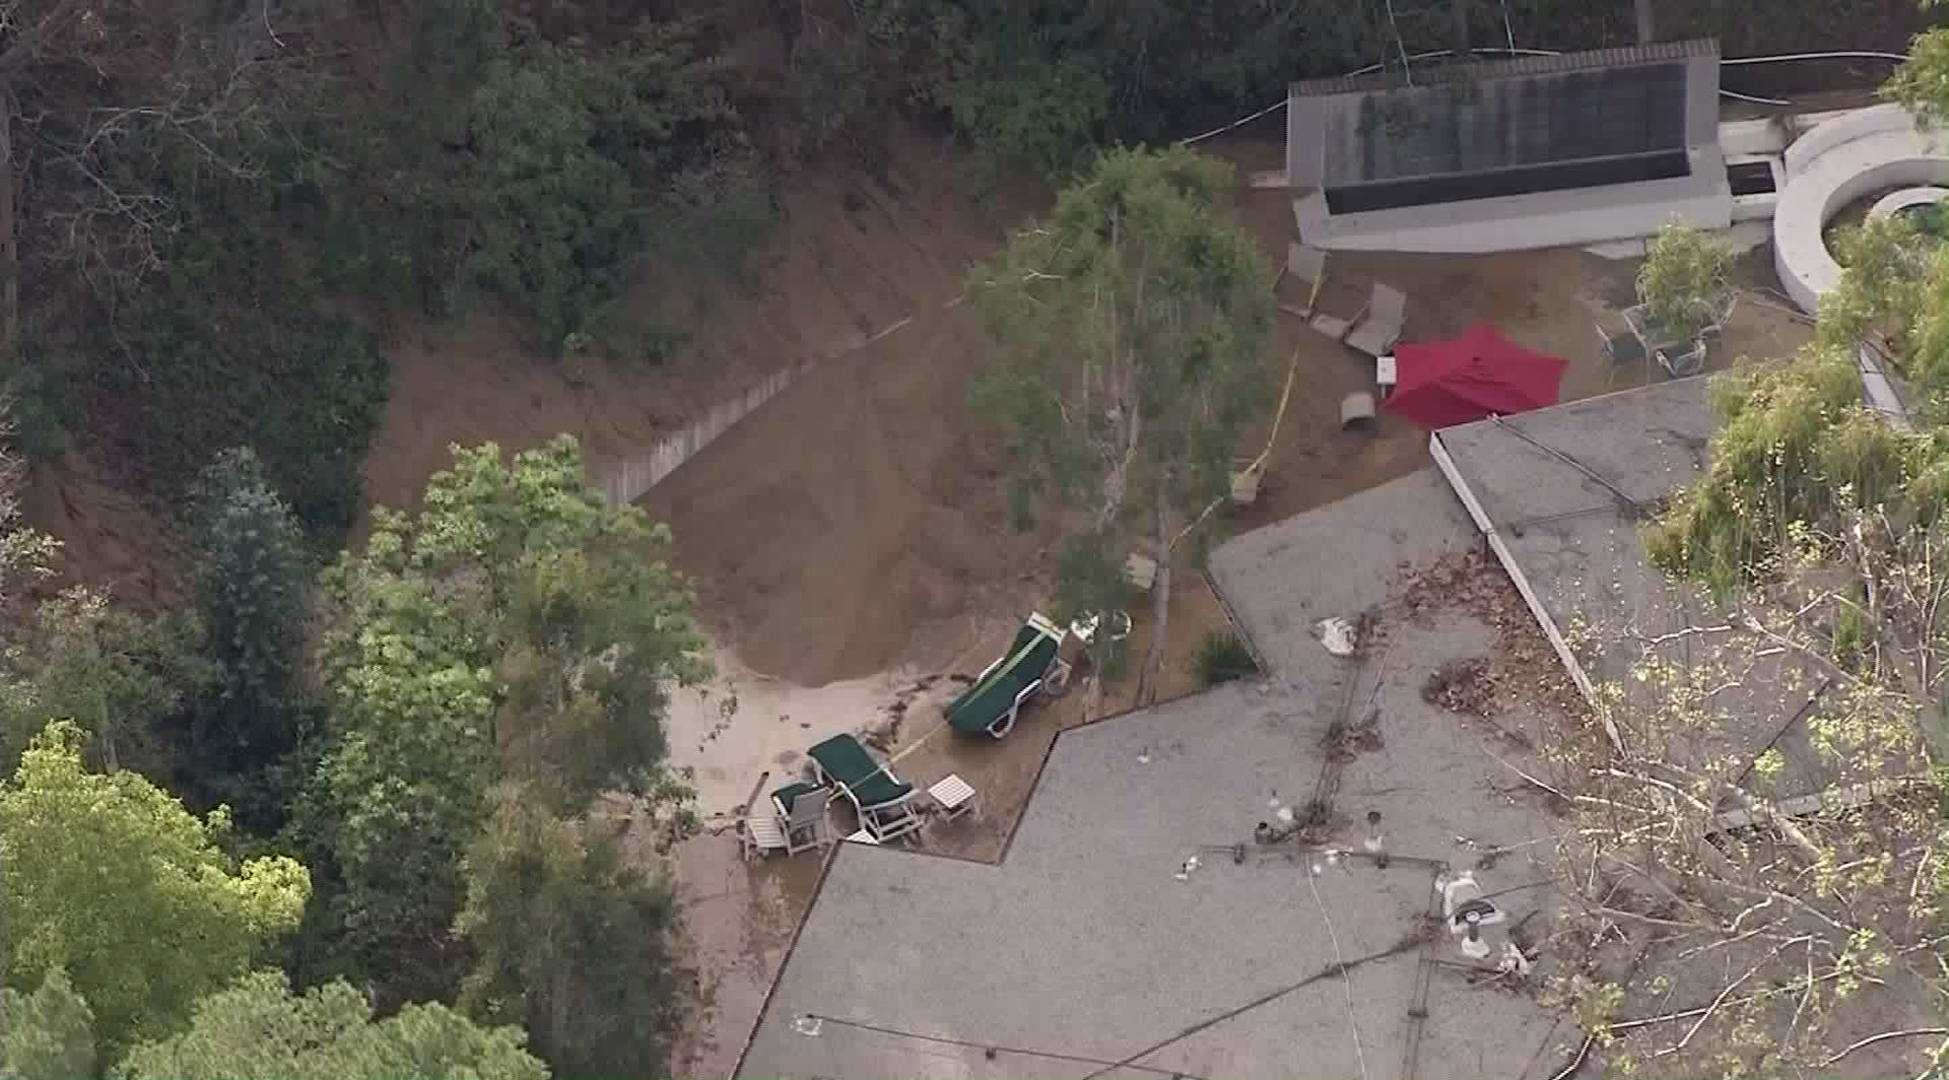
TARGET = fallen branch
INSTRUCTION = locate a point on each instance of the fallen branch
(1873, 1039)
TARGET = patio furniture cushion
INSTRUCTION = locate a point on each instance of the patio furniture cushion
(992, 695)
(789, 794)
(845, 760)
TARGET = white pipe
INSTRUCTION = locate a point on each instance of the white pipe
(1815, 56)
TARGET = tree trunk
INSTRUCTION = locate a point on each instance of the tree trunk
(1160, 605)
(1460, 10)
(9, 237)
(1645, 35)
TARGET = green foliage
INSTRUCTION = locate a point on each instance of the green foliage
(397, 793)
(1685, 282)
(1132, 325)
(574, 942)
(110, 671)
(1043, 81)
(110, 878)
(226, 358)
(517, 627)
(1794, 446)
(1922, 81)
(1017, 105)
(48, 1034)
(1223, 657)
(40, 409)
(258, 1028)
(565, 151)
(250, 579)
(1090, 580)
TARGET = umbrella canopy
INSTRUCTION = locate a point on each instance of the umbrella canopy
(1465, 378)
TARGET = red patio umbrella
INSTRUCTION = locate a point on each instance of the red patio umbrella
(1465, 378)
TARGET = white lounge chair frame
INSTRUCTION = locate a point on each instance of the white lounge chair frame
(885, 821)
(805, 824)
(1051, 681)
(1378, 329)
(1307, 265)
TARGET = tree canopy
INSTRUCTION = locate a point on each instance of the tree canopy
(48, 1034)
(517, 627)
(1132, 326)
(258, 1028)
(110, 878)
(113, 672)
(572, 941)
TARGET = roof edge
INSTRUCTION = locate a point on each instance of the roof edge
(1662, 52)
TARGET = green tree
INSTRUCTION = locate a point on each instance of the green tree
(250, 579)
(1132, 326)
(111, 671)
(48, 1034)
(566, 146)
(573, 942)
(110, 878)
(1922, 81)
(1685, 283)
(580, 613)
(257, 1028)
(517, 627)
(398, 791)
(249, 584)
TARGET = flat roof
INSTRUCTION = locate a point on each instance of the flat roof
(1082, 954)
(1578, 542)
(1459, 119)
(1081, 949)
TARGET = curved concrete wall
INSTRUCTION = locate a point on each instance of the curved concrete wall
(1897, 201)
(1831, 166)
(1847, 127)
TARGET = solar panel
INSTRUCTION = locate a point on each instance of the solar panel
(1482, 125)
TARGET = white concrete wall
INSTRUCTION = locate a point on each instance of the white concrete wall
(1839, 128)
(627, 481)
(1832, 166)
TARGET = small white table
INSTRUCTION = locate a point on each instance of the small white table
(954, 796)
(1386, 373)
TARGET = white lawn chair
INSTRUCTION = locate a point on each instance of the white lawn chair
(805, 822)
(1375, 332)
(1306, 265)
(1334, 326)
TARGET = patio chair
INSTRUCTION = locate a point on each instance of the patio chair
(1334, 326)
(1375, 332)
(883, 801)
(1030, 665)
(1306, 265)
(760, 835)
(802, 808)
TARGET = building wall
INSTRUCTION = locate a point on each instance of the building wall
(1545, 219)
(1576, 217)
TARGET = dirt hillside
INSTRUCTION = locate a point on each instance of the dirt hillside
(850, 254)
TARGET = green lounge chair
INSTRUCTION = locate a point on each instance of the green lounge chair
(1029, 665)
(883, 800)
